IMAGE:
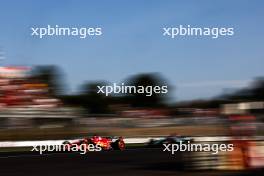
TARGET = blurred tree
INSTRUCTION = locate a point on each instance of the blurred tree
(141, 99)
(94, 102)
(258, 89)
(50, 75)
(255, 92)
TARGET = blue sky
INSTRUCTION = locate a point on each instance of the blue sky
(132, 41)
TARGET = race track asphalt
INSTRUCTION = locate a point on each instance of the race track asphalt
(131, 162)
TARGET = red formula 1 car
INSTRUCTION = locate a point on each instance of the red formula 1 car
(105, 143)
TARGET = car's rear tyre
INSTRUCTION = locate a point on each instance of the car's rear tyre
(66, 142)
(121, 145)
(67, 145)
(118, 145)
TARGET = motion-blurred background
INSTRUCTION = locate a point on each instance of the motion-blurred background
(48, 87)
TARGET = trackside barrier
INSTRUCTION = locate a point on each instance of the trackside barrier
(139, 140)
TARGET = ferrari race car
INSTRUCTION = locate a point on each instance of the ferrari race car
(105, 143)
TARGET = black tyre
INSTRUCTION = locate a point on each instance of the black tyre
(118, 145)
